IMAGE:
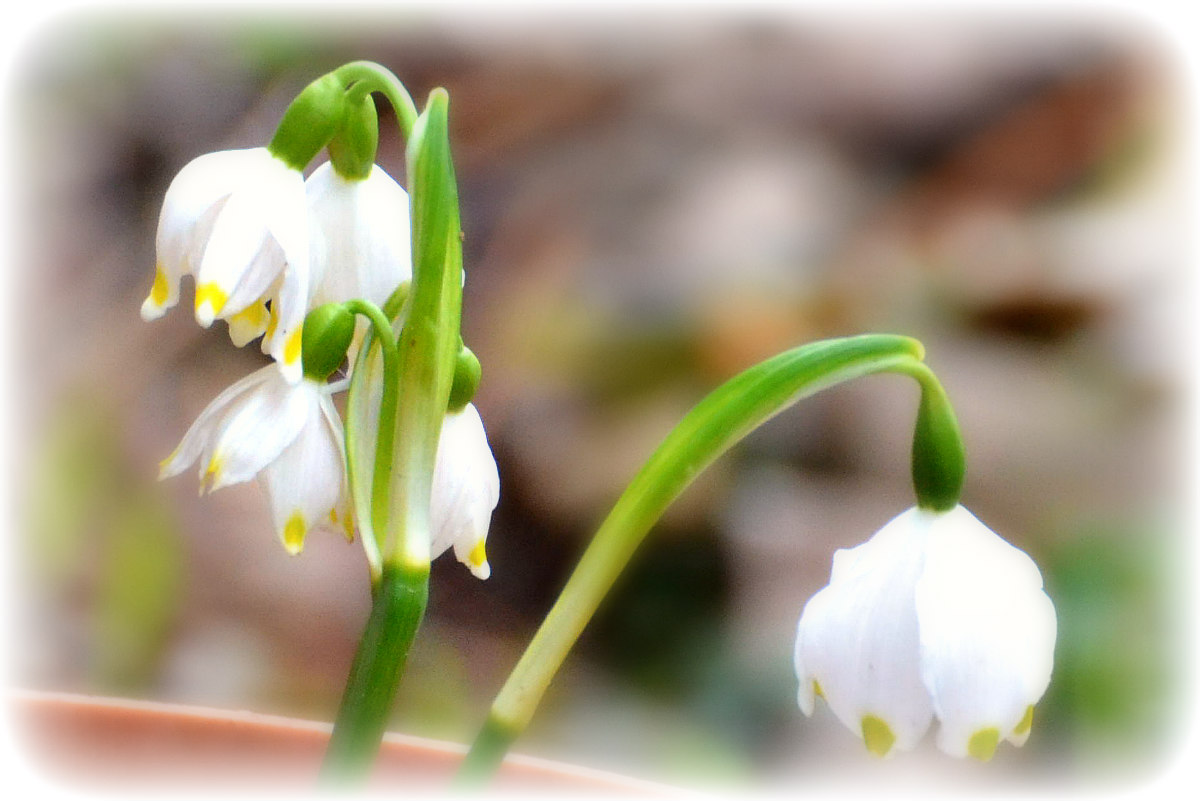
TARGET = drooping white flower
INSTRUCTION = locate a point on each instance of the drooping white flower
(934, 616)
(289, 435)
(466, 489)
(359, 235)
(235, 220)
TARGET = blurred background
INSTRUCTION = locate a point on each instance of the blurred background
(650, 206)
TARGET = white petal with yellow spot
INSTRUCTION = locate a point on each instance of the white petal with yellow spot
(858, 640)
(237, 221)
(190, 209)
(287, 434)
(466, 489)
(987, 635)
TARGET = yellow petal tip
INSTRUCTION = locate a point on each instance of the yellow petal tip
(293, 533)
(982, 744)
(877, 735)
(161, 289)
(1026, 723)
(212, 475)
(210, 299)
(291, 348)
(165, 464)
(477, 561)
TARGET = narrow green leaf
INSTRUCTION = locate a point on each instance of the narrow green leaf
(429, 342)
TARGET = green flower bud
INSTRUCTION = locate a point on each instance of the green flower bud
(352, 150)
(467, 372)
(328, 331)
(310, 122)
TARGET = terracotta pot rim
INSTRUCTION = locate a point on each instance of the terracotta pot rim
(32, 703)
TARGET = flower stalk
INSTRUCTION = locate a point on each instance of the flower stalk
(398, 607)
(379, 343)
(714, 425)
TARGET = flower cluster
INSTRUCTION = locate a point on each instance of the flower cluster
(933, 616)
(265, 247)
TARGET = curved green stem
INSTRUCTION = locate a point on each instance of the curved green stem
(367, 76)
(719, 421)
(381, 329)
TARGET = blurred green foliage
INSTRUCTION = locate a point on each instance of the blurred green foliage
(1116, 674)
(102, 531)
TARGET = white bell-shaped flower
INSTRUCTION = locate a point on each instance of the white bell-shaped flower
(359, 238)
(934, 616)
(289, 435)
(235, 220)
(466, 489)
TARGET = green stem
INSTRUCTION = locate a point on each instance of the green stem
(367, 76)
(396, 613)
(719, 421)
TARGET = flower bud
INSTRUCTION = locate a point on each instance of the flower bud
(328, 330)
(467, 373)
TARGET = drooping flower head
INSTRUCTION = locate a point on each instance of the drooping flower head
(934, 616)
(235, 220)
(289, 435)
(466, 488)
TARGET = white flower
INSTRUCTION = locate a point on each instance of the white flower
(289, 435)
(935, 615)
(466, 488)
(236, 221)
(359, 237)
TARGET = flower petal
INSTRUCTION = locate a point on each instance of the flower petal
(255, 430)
(260, 279)
(466, 488)
(189, 210)
(248, 324)
(806, 695)
(362, 407)
(987, 632)
(306, 482)
(857, 638)
(360, 241)
(205, 429)
(268, 204)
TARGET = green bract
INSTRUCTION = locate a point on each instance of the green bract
(939, 462)
(311, 120)
(352, 149)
